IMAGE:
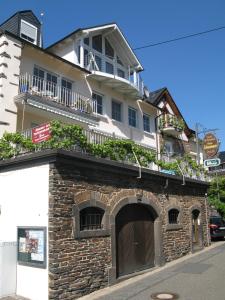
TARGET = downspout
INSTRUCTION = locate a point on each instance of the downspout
(181, 173)
(139, 166)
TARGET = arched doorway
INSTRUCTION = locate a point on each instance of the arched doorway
(135, 246)
(196, 230)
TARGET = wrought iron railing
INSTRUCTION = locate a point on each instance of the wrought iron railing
(53, 92)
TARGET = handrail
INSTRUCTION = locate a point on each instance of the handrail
(51, 91)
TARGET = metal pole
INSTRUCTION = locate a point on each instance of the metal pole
(197, 143)
(207, 220)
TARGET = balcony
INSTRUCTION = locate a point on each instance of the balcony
(114, 75)
(51, 97)
(170, 124)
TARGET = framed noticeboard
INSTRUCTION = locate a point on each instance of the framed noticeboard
(31, 249)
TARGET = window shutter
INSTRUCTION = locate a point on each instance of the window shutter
(28, 30)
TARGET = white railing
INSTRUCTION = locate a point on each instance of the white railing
(98, 62)
(54, 92)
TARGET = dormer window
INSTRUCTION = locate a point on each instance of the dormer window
(28, 32)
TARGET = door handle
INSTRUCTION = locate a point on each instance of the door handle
(135, 243)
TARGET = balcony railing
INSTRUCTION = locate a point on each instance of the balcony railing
(171, 124)
(53, 92)
(101, 63)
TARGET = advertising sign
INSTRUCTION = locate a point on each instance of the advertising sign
(214, 162)
(41, 133)
(32, 246)
(210, 145)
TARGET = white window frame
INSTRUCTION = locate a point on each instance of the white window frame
(149, 117)
(136, 117)
(23, 21)
(121, 105)
(103, 106)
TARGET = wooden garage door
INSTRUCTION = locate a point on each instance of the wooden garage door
(135, 239)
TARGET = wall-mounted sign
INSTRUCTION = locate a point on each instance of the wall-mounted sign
(170, 172)
(213, 162)
(210, 145)
(41, 133)
(32, 246)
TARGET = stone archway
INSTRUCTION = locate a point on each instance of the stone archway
(143, 216)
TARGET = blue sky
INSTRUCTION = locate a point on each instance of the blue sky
(192, 69)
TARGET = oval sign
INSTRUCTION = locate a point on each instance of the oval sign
(210, 145)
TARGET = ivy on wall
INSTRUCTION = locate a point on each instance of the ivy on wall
(70, 137)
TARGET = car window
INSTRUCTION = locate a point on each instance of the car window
(217, 221)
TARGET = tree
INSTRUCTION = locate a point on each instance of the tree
(216, 194)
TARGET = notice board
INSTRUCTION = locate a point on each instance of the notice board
(31, 246)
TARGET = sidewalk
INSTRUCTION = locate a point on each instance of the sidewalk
(191, 266)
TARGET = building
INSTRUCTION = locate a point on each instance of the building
(76, 223)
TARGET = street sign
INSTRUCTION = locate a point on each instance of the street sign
(170, 172)
(214, 162)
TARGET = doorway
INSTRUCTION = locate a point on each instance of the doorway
(135, 247)
(196, 230)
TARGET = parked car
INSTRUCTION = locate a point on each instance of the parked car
(217, 227)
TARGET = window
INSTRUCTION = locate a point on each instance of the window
(132, 117)
(51, 84)
(97, 43)
(28, 32)
(98, 61)
(66, 92)
(98, 99)
(109, 49)
(86, 58)
(116, 111)
(119, 61)
(146, 122)
(38, 79)
(109, 68)
(120, 73)
(173, 216)
(86, 41)
(168, 148)
(91, 218)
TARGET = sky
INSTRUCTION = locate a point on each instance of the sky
(192, 69)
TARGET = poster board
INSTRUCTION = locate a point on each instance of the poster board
(31, 250)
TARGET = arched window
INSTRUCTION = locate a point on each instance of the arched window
(91, 218)
(173, 216)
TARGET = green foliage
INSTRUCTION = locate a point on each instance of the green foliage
(216, 194)
(67, 136)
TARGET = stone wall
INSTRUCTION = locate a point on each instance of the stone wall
(78, 266)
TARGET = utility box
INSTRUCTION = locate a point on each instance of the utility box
(8, 262)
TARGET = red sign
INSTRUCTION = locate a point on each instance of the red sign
(41, 133)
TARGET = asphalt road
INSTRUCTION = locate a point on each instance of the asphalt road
(200, 277)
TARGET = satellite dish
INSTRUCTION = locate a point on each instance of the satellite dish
(146, 92)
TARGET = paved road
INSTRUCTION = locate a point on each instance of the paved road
(200, 277)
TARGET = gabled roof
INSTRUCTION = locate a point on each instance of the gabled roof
(115, 34)
(157, 96)
(20, 13)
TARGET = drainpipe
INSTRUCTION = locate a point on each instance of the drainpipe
(139, 166)
(181, 173)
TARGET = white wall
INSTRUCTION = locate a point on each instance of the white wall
(24, 202)
(9, 85)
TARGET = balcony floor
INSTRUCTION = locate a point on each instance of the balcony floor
(119, 84)
(35, 102)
